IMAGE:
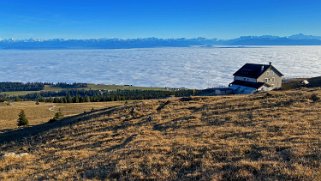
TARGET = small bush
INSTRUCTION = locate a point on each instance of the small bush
(58, 116)
(22, 120)
(186, 99)
(162, 105)
(315, 98)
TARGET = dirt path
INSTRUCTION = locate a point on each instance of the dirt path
(52, 108)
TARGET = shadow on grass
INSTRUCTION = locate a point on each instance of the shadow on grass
(21, 134)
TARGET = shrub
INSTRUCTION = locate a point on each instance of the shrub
(57, 116)
(162, 105)
(22, 120)
(186, 99)
(315, 98)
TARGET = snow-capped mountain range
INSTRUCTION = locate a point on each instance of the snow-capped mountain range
(298, 39)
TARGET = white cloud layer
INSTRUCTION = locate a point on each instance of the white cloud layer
(170, 67)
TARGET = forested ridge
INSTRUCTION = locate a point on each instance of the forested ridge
(76, 93)
(79, 96)
(37, 86)
(18, 86)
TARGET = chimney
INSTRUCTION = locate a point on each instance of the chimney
(270, 63)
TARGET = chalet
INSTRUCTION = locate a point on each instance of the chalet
(256, 77)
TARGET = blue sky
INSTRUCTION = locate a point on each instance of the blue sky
(223, 19)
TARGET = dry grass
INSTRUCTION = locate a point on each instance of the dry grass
(273, 136)
(41, 113)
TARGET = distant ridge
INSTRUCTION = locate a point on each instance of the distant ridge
(298, 39)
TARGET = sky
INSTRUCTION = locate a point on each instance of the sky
(223, 19)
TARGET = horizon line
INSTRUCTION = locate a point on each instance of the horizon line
(154, 37)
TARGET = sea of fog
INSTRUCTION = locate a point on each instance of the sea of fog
(160, 67)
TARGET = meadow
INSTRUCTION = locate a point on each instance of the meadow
(41, 113)
(266, 136)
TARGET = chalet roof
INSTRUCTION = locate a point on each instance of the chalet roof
(255, 85)
(255, 70)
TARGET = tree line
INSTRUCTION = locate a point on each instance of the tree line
(37, 86)
(65, 85)
(80, 96)
(18, 86)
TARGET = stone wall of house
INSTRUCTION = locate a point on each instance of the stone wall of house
(271, 77)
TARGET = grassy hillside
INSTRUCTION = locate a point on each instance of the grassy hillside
(296, 83)
(268, 136)
(41, 113)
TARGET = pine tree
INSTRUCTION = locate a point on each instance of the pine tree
(69, 99)
(87, 99)
(58, 115)
(77, 99)
(22, 120)
(194, 92)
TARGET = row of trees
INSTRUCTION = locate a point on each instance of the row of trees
(18, 86)
(65, 85)
(79, 96)
(37, 86)
(62, 93)
(104, 96)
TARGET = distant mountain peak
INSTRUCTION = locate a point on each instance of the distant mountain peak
(152, 42)
(302, 36)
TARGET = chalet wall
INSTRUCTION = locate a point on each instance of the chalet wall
(271, 77)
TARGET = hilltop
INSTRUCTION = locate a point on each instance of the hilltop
(266, 136)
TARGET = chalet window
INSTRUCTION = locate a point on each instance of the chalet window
(266, 80)
(273, 79)
(267, 73)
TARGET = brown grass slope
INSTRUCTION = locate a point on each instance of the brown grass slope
(38, 114)
(270, 136)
